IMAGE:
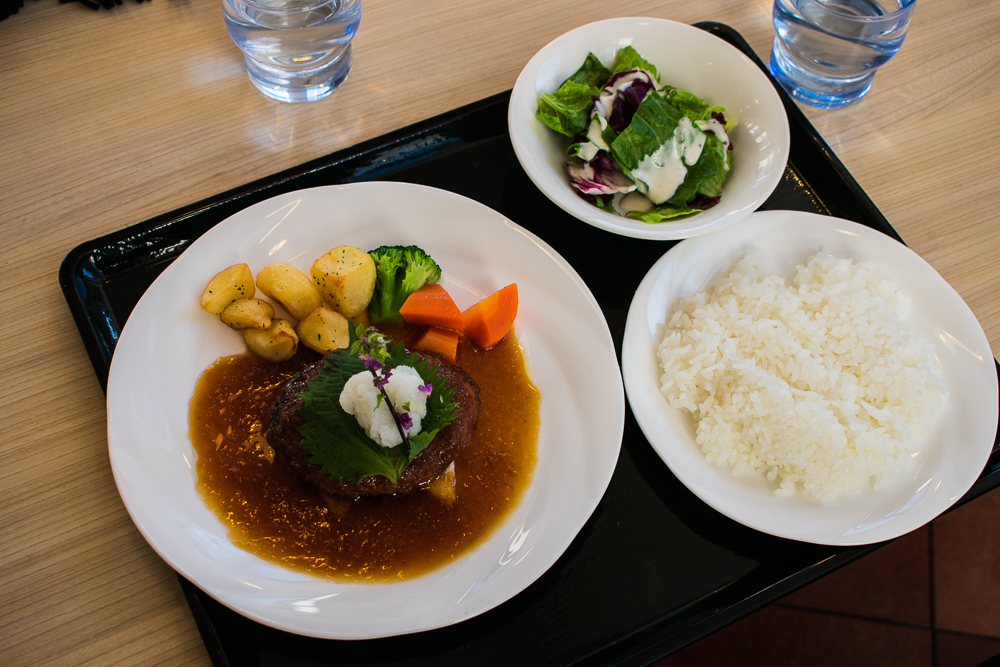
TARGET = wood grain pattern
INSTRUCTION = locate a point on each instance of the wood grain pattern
(108, 118)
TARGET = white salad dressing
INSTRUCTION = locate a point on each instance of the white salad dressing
(635, 201)
(589, 150)
(659, 175)
(716, 128)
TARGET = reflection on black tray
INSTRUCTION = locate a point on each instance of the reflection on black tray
(654, 568)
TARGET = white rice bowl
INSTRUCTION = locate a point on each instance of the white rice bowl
(816, 383)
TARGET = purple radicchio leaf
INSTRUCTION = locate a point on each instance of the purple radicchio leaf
(720, 118)
(621, 97)
(702, 202)
(600, 176)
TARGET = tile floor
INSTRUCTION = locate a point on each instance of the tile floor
(928, 599)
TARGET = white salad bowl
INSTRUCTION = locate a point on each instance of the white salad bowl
(685, 57)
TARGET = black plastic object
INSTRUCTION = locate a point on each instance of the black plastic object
(654, 568)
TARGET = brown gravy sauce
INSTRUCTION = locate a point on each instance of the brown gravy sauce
(272, 514)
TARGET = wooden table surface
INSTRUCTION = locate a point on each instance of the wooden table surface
(110, 117)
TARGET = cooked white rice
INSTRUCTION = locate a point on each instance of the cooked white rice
(820, 384)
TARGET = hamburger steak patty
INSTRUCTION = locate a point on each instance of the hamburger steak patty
(283, 436)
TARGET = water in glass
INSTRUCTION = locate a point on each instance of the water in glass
(295, 50)
(826, 52)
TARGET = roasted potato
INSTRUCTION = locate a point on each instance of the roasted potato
(444, 488)
(290, 287)
(248, 314)
(227, 286)
(324, 330)
(346, 276)
(361, 318)
(277, 343)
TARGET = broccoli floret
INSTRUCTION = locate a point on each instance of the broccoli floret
(399, 272)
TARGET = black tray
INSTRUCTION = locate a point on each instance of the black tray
(654, 568)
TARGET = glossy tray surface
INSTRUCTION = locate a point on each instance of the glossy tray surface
(654, 568)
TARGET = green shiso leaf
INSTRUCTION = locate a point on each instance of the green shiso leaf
(339, 445)
(629, 59)
(440, 407)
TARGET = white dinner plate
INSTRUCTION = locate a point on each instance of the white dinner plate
(168, 341)
(947, 464)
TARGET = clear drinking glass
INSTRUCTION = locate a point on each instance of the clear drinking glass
(826, 52)
(295, 50)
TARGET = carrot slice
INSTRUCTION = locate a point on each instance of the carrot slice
(488, 321)
(432, 306)
(442, 341)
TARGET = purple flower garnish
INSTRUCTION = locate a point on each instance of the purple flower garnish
(405, 420)
(382, 378)
(425, 388)
(371, 347)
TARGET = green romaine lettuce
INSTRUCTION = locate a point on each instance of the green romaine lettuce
(706, 175)
(652, 126)
(592, 73)
(567, 111)
(691, 105)
(605, 203)
(629, 59)
(662, 213)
